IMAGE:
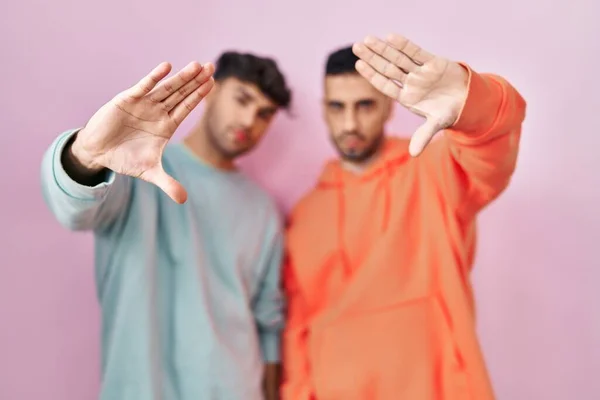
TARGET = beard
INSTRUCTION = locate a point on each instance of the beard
(220, 144)
(357, 155)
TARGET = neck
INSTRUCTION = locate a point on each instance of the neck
(199, 143)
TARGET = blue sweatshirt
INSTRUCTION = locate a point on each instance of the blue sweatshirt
(190, 295)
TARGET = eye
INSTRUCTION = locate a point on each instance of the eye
(265, 115)
(366, 105)
(336, 106)
(242, 101)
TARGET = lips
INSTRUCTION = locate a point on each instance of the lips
(240, 136)
(352, 142)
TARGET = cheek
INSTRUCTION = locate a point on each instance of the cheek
(334, 123)
(227, 111)
(372, 125)
(259, 129)
(218, 117)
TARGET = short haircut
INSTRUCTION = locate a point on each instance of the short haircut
(341, 61)
(261, 71)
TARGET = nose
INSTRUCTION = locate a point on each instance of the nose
(247, 117)
(350, 122)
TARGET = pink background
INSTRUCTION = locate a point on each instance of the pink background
(537, 273)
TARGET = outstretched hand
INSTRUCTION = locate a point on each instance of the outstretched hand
(430, 86)
(129, 133)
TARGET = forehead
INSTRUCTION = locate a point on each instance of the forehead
(350, 88)
(249, 91)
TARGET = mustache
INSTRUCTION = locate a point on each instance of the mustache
(355, 134)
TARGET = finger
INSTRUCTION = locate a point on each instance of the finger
(185, 107)
(147, 83)
(166, 183)
(170, 102)
(174, 83)
(390, 54)
(379, 63)
(407, 47)
(422, 136)
(380, 82)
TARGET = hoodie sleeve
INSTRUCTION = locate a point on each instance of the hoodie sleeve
(296, 381)
(476, 157)
(76, 206)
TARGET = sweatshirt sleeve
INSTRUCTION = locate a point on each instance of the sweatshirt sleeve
(475, 159)
(296, 383)
(269, 304)
(76, 206)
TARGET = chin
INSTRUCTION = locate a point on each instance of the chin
(230, 149)
(351, 155)
(355, 156)
(235, 151)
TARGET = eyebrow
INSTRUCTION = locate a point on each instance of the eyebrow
(366, 101)
(245, 93)
(267, 109)
(359, 101)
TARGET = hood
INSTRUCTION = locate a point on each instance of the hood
(335, 177)
(395, 152)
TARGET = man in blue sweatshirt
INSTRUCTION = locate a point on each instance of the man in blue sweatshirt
(187, 249)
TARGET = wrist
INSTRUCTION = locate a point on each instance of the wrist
(82, 158)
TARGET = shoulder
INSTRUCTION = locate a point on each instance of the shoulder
(309, 206)
(305, 201)
(319, 194)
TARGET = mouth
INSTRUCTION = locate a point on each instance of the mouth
(352, 143)
(240, 136)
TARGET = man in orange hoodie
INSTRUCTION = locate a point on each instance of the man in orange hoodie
(379, 252)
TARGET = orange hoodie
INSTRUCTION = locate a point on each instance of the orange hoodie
(377, 272)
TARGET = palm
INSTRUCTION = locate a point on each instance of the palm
(430, 86)
(129, 133)
(435, 91)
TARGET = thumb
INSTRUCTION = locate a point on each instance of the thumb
(167, 184)
(422, 136)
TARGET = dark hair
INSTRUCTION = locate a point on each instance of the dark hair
(261, 71)
(341, 61)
